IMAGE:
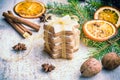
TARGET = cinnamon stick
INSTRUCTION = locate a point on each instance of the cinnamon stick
(17, 28)
(21, 20)
(24, 29)
(20, 25)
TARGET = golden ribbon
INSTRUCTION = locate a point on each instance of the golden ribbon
(63, 55)
(46, 38)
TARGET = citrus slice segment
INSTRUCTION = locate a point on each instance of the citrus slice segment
(99, 30)
(109, 14)
(29, 9)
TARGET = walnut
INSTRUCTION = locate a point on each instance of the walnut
(90, 67)
(48, 67)
(111, 61)
(19, 47)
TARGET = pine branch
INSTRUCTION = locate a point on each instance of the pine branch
(78, 10)
(113, 46)
(73, 8)
(85, 13)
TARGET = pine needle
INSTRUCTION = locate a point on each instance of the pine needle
(85, 13)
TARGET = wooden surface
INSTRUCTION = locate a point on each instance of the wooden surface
(27, 65)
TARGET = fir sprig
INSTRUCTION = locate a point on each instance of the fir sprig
(85, 13)
(92, 5)
(113, 45)
(72, 8)
(100, 52)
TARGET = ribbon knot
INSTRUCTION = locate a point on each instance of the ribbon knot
(61, 21)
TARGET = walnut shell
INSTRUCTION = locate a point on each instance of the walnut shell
(111, 61)
(90, 67)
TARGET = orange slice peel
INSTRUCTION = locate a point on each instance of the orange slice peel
(108, 13)
(99, 30)
(30, 9)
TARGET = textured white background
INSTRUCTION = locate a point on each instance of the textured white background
(27, 65)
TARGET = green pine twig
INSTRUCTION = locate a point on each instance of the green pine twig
(85, 13)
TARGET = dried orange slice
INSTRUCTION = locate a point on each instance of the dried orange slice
(109, 14)
(99, 30)
(30, 9)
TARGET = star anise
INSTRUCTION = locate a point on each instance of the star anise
(19, 47)
(43, 18)
(48, 67)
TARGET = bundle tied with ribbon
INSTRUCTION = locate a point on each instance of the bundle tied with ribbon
(61, 37)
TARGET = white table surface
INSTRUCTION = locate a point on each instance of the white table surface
(27, 65)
